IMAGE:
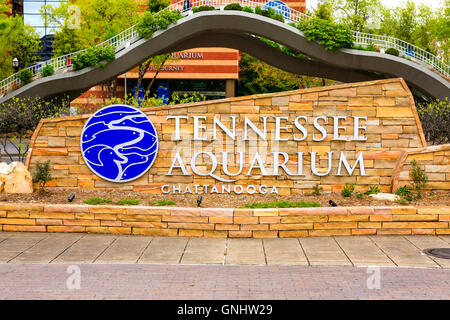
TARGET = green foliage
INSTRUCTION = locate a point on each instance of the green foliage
(359, 195)
(317, 190)
(392, 51)
(403, 191)
(348, 189)
(324, 11)
(97, 201)
(162, 203)
(93, 57)
(157, 5)
(330, 35)
(151, 22)
(435, 119)
(370, 47)
(17, 40)
(373, 190)
(203, 8)
(282, 204)
(48, 70)
(42, 174)
(418, 176)
(19, 118)
(233, 6)
(25, 76)
(67, 41)
(248, 9)
(269, 13)
(129, 202)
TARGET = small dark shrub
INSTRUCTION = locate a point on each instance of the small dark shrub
(48, 70)
(25, 76)
(203, 8)
(233, 6)
(373, 190)
(348, 189)
(359, 195)
(403, 191)
(392, 51)
(418, 176)
(42, 175)
(317, 190)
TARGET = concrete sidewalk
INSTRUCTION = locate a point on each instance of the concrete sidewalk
(386, 251)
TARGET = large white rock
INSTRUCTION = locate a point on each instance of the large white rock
(15, 178)
(385, 196)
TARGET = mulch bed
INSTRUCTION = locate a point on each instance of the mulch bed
(214, 200)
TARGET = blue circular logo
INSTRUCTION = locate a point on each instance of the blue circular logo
(119, 143)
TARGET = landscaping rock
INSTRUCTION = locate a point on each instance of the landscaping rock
(385, 196)
(15, 178)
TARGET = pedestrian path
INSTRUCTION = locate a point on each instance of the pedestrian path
(65, 248)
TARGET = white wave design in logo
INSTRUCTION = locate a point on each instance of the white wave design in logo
(119, 143)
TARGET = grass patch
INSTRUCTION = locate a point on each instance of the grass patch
(129, 202)
(282, 204)
(161, 203)
(97, 201)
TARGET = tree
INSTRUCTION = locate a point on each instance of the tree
(17, 40)
(157, 5)
(357, 14)
(324, 10)
(256, 76)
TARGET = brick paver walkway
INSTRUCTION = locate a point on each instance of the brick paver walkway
(34, 266)
(144, 281)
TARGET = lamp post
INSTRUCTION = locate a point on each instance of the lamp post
(15, 64)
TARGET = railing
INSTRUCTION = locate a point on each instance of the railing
(407, 50)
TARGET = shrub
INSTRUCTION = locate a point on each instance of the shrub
(233, 6)
(392, 51)
(93, 57)
(48, 70)
(269, 13)
(330, 35)
(373, 190)
(19, 118)
(282, 204)
(42, 175)
(347, 191)
(129, 202)
(317, 190)
(435, 119)
(161, 203)
(418, 176)
(403, 191)
(25, 76)
(359, 195)
(247, 9)
(203, 8)
(150, 22)
(97, 201)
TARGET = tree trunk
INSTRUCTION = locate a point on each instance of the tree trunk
(143, 67)
(147, 92)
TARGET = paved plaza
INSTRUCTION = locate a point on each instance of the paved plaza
(37, 266)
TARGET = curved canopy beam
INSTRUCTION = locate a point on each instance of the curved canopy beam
(234, 28)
